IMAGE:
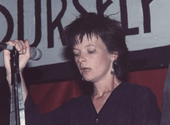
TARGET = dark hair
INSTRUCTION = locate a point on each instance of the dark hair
(109, 30)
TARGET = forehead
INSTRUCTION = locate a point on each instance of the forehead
(87, 41)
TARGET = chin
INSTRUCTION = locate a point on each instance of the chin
(88, 79)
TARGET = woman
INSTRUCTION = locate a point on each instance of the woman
(101, 55)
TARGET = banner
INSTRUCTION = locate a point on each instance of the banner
(145, 22)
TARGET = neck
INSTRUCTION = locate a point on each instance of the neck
(105, 87)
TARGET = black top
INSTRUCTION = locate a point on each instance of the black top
(128, 104)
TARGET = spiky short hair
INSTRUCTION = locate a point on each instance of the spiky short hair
(109, 30)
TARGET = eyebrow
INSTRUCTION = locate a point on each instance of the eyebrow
(76, 49)
(90, 45)
(85, 46)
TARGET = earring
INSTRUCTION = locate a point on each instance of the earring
(112, 71)
(115, 62)
(82, 79)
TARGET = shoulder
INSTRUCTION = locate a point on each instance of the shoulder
(137, 92)
(140, 93)
(135, 88)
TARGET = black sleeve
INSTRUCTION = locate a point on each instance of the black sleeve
(59, 116)
(145, 110)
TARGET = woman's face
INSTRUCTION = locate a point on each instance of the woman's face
(93, 60)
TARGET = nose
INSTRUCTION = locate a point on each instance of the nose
(81, 58)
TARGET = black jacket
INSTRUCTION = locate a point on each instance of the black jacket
(128, 104)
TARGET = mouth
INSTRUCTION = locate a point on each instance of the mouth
(85, 70)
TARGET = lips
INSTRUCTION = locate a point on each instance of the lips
(85, 70)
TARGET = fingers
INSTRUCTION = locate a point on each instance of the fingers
(24, 50)
(20, 45)
(27, 46)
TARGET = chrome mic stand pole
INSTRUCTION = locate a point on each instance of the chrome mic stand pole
(17, 114)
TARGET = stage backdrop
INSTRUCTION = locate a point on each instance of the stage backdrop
(145, 22)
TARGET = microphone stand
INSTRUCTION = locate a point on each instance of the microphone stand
(17, 113)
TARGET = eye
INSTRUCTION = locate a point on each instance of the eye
(76, 54)
(91, 51)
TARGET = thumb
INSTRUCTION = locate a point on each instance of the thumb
(27, 47)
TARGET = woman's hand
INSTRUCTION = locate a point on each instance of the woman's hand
(23, 49)
(24, 54)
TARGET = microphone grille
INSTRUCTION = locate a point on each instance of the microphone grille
(36, 54)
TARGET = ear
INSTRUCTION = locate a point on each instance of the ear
(114, 56)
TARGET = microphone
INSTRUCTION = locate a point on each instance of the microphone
(35, 53)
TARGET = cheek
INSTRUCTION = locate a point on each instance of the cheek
(100, 62)
(104, 58)
(104, 61)
(77, 62)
